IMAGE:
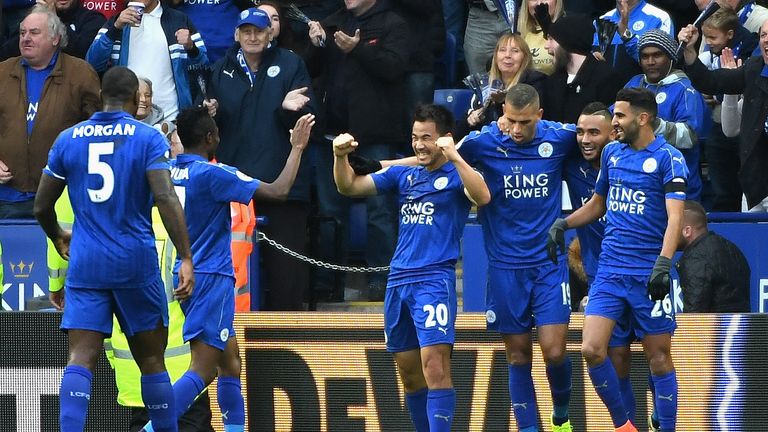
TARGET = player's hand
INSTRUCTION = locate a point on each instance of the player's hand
(57, 299)
(316, 34)
(5, 173)
(62, 243)
(448, 147)
(728, 60)
(343, 145)
(362, 165)
(186, 280)
(212, 105)
(295, 99)
(556, 239)
(129, 16)
(301, 131)
(658, 284)
(345, 42)
(184, 39)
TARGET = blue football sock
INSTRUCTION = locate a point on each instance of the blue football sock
(606, 384)
(186, 390)
(628, 397)
(666, 400)
(523, 397)
(74, 395)
(417, 407)
(441, 403)
(559, 377)
(157, 394)
(231, 404)
(652, 389)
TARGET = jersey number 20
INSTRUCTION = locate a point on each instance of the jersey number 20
(100, 168)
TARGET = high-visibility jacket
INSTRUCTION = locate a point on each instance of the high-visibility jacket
(127, 373)
(243, 223)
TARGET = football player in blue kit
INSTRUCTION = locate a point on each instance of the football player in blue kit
(205, 190)
(641, 191)
(522, 159)
(420, 302)
(115, 168)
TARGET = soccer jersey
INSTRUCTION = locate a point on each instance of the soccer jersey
(634, 184)
(525, 181)
(433, 211)
(205, 190)
(581, 177)
(104, 161)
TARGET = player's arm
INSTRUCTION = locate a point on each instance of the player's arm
(279, 189)
(49, 190)
(474, 184)
(347, 182)
(675, 208)
(588, 213)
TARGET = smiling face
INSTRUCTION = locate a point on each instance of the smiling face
(509, 58)
(145, 100)
(253, 40)
(593, 132)
(424, 142)
(764, 42)
(625, 123)
(716, 38)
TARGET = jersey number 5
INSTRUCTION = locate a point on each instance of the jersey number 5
(100, 168)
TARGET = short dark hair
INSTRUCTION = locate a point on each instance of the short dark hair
(640, 99)
(193, 124)
(695, 214)
(522, 95)
(440, 115)
(598, 109)
(119, 84)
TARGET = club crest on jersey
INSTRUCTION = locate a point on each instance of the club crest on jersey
(545, 149)
(441, 183)
(650, 165)
(273, 71)
(224, 335)
(637, 26)
(490, 316)
(661, 97)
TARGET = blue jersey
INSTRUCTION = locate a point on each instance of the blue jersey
(205, 190)
(581, 177)
(525, 181)
(635, 186)
(104, 161)
(433, 211)
(216, 21)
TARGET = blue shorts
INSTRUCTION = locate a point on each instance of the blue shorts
(518, 299)
(625, 298)
(420, 314)
(136, 309)
(210, 310)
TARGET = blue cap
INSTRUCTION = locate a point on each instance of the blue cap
(256, 17)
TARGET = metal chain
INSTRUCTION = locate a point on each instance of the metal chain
(260, 236)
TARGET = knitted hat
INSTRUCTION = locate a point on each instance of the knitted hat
(659, 39)
(573, 32)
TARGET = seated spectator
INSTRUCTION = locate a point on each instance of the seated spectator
(535, 35)
(511, 64)
(82, 25)
(71, 95)
(215, 20)
(159, 44)
(579, 78)
(714, 274)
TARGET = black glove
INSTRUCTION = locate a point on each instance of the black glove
(556, 239)
(541, 13)
(658, 285)
(362, 165)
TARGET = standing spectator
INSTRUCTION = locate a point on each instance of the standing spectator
(62, 89)
(633, 17)
(579, 78)
(591, 8)
(81, 24)
(535, 33)
(14, 12)
(158, 44)
(751, 15)
(149, 113)
(682, 114)
(215, 20)
(260, 91)
(714, 274)
(365, 60)
(485, 25)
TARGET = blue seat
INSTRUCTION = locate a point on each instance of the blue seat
(456, 100)
(445, 66)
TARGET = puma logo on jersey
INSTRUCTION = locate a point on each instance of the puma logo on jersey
(678, 159)
(584, 171)
(230, 73)
(502, 150)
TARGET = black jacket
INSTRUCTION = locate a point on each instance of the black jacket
(753, 142)
(595, 81)
(364, 90)
(424, 19)
(714, 276)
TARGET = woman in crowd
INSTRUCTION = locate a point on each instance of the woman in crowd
(531, 30)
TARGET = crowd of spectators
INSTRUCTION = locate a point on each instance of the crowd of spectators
(363, 66)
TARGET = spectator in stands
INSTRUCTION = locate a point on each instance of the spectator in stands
(714, 274)
(681, 12)
(751, 15)
(512, 64)
(682, 113)
(485, 25)
(260, 90)
(81, 24)
(535, 32)
(579, 78)
(634, 18)
(14, 12)
(591, 8)
(158, 44)
(71, 95)
(150, 113)
(723, 30)
(365, 61)
(215, 20)
(747, 79)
